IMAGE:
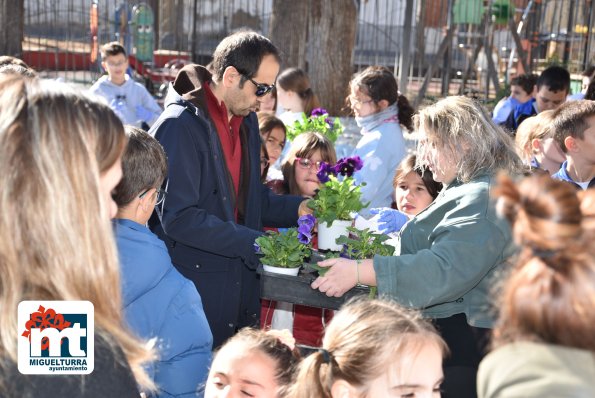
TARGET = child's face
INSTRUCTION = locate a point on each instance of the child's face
(361, 103)
(116, 65)
(411, 194)
(305, 175)
(275, 143)
(546, 99)
(237, 373)
(552, 151)
(586, 146)
(417, 373)
(289, 100)
(519, 94)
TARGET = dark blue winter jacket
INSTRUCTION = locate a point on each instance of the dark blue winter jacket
(206, 242)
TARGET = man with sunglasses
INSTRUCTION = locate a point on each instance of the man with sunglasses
(216, 204)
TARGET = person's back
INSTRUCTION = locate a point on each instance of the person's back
(158, 301)
(574, 131)
(543, 342)
(130, 100)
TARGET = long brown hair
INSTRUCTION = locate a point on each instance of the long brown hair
(550, 294)
(303, 146)
(56, 240)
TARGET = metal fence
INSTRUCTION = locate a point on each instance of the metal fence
(58, 39)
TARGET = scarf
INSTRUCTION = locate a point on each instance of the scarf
(371, 122)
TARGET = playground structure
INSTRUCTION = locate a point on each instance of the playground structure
(455, 46)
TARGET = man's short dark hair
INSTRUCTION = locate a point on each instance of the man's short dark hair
(243, 50)
(526, 81)
(144, 166)
(570, 120)
(112, 48)
(555, 78)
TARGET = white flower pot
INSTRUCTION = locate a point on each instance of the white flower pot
(281, 270)
(327, 235)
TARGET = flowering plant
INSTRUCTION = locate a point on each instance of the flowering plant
(318, 121)
(362, 244)
(338, 197)
(288, 248)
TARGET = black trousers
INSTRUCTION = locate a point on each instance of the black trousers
(467, 345)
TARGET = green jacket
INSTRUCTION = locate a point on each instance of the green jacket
(450, 255)
(528, 370)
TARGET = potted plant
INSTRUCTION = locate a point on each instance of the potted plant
(285, 251)
(360, 245)
(319, 121)
(336, 201)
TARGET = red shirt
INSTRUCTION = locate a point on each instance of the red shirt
(229, 136)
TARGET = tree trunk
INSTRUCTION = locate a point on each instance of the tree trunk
(331, 32)
(11, 27)
(289, 28)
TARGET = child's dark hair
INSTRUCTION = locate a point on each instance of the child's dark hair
(272, 344)
(526, 81)
(407, 165)
(380, 84)
(112, 48)
(555, 78)
(549, 296)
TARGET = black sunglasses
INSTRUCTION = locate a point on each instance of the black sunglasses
(261, 88)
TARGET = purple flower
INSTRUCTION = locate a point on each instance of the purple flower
(330, 122)
(318, 112)
(348, 166)
(256, 248)
(304, 238)
(306, 221)
(325, 171)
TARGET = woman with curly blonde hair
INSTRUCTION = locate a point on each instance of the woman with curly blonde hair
(450, 253)
(60, 159)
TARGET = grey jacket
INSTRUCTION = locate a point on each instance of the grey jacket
(450, 255)
(527, 370)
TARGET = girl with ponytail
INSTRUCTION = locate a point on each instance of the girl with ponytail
(380, 111)
(544, 340)
(373, 348)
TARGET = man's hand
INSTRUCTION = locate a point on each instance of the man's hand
(304, 209)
